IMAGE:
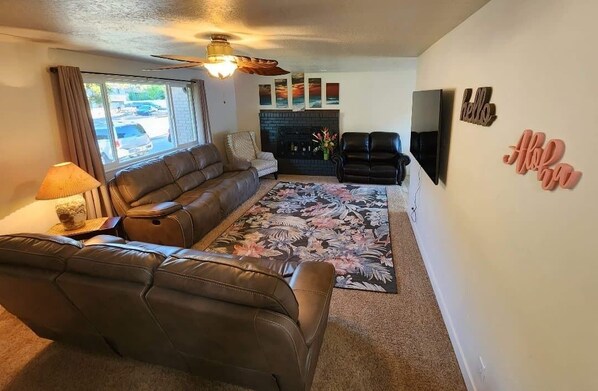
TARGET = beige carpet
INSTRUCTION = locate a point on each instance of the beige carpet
(374, 341)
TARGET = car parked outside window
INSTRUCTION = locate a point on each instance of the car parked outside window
(131, 140)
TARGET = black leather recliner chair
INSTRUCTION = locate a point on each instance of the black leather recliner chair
(371, 158)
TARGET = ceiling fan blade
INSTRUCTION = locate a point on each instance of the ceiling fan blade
(275, 71)
(252, 62)
(175, 57)
(178, 66)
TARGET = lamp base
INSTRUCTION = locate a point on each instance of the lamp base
(72, 212)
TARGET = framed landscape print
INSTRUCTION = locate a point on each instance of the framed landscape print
(298, 88)
(265, 91)
(315, 93)
(282, 93)
(332, 93)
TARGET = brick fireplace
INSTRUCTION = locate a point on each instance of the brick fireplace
(288, 135)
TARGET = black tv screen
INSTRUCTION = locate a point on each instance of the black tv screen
(425, 131)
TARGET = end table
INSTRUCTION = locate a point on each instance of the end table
(93, 227)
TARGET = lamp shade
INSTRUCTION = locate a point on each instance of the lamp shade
(64, 180)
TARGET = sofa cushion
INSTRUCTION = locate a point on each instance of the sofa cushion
(385, 142)
(356, 146)
(37, 251)
(108, 282)
(150, 178)
(213, 170)
(361, 169)
(384, 147)
(205, 212)
(116, 262)
(163, 194)
(184, 170)
(383, 157)
(231, 189)
(208, 160)
(231, 280)
(228, 195)
(29, 267)
(283, 268)
(189, 196)
(166, 251)
(383, 171)
(247, 183)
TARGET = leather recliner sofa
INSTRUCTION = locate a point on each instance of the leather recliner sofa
(229, 318)
(371, 158)
(178, 198)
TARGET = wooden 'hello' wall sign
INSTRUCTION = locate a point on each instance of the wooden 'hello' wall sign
(531, 154)
(480, 111)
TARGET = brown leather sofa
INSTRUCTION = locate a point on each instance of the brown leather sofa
(229, 318)
(178, 198)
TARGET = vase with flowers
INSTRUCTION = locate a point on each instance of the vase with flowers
(325, 141)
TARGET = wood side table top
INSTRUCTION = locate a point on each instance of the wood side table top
(91, 227)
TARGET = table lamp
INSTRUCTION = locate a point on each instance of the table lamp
(65, 182)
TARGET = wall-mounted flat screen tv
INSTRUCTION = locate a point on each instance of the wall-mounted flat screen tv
(425, 131)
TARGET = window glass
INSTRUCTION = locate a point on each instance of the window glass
(95, 96)
(183, 115)
(137, 120)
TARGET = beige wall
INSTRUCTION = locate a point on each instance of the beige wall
(369, 101)
(513, 266)
(30, 141)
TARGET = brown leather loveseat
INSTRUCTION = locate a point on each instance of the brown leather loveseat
(229, 318)
(178, 198)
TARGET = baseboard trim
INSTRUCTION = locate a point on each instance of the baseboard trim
(446, 316)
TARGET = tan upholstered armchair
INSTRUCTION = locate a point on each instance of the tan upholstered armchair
(242, 146)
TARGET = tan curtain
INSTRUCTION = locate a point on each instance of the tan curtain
(80, 136)
(198, 89)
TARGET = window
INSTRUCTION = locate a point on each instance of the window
(138, 118)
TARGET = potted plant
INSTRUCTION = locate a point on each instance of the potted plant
(325, 141)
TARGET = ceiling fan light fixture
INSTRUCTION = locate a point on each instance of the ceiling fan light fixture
(222, 63)
(221, 67)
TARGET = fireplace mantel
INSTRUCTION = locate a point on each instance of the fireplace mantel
(294, 152)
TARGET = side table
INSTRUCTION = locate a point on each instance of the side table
(93, 227)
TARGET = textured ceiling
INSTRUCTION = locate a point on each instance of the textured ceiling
(308, 35)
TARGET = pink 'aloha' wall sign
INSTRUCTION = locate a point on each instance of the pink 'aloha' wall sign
(530, 153)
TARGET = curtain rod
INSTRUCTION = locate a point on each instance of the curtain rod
(55, 69)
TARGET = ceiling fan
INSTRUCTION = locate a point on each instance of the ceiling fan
(222, 63)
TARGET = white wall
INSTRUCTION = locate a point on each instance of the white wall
(514, 267)
(369, 101)
(29, 128)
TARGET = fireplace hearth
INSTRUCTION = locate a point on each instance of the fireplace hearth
(289, 136)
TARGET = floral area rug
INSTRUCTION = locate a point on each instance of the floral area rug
(344, 225)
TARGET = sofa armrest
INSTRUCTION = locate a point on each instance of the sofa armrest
(312, 284)
(265, 156)
(154, 210)
(237, 165)
(337, 160)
